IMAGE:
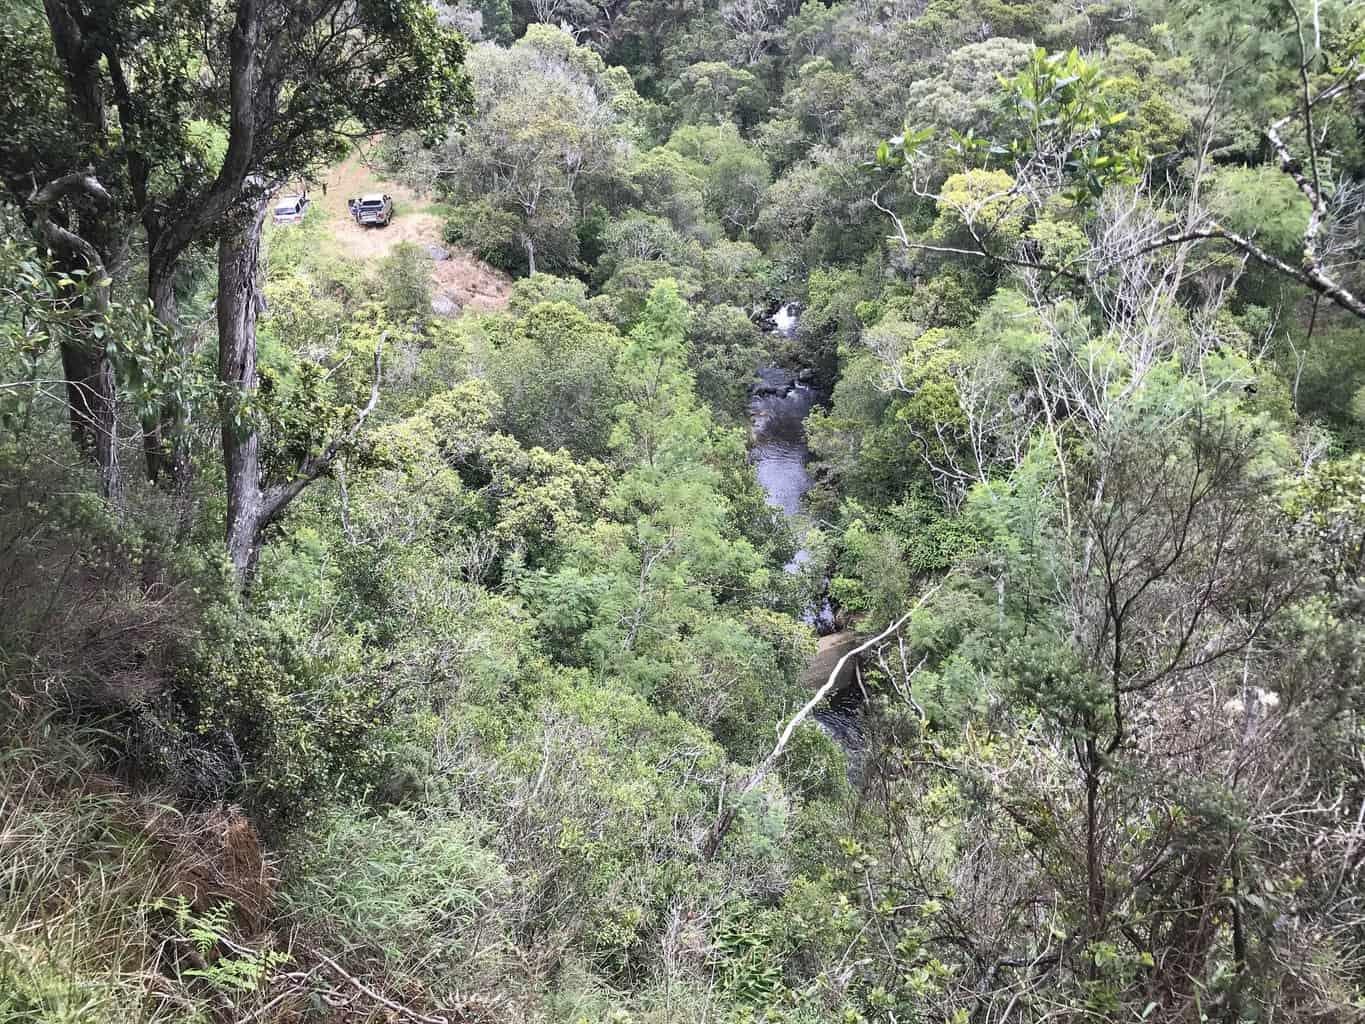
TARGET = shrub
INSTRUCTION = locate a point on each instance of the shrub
(531, 291)
(404, 282)
(421, 889)
(263, 712)
(489, 232)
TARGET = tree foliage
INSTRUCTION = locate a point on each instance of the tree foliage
(504, 699)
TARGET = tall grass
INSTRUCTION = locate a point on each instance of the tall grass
(78, 884)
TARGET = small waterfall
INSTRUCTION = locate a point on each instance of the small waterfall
(784, 320)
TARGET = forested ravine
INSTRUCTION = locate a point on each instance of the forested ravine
(805, 511)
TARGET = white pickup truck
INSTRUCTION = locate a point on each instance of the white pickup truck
(373, 209)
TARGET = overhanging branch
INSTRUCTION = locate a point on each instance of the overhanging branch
(276, 499)
(727, 815)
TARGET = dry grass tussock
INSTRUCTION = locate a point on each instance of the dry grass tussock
(115, 906)
(78, 879)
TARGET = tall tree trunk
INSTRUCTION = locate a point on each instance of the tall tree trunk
(1094, 869)
(239, 302)
(79, 59)
(89, 372)
(84, 246)
(81, 370)
(530, 246)
(251, 506)
(165, 438)
(93, 408)
(157, 436)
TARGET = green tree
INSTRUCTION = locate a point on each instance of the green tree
(735, 175)
(405, 282)
(710, 92)
(557, 375)
(549, 118)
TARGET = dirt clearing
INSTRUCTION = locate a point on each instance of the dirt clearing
(459, 281)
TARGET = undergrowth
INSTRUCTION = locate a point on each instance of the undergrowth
(78, 883)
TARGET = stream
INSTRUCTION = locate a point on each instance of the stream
(779, 402)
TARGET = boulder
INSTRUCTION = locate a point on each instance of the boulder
(827, 654)
(771, 381)
(445, 304)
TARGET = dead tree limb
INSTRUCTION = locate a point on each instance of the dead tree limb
(726, 816)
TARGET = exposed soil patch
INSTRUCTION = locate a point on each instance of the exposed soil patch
(462, 279)
(471, 282)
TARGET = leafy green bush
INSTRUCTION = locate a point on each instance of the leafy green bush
(261, 712)
(404, 282)
(748, 956)
(530, 292)
(490, 233)
(420, 888)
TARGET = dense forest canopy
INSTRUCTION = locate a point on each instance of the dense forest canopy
(433, 622)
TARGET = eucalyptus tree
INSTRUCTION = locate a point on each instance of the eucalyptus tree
(550, 128)
(302, 80)
(735, 174)
(710, 92)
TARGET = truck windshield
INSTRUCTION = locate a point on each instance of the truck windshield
(372, 204)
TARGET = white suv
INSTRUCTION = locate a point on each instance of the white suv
(290, 209)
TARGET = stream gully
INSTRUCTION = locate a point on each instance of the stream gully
(779, 402)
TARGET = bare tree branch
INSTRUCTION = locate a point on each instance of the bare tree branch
(726, 818)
